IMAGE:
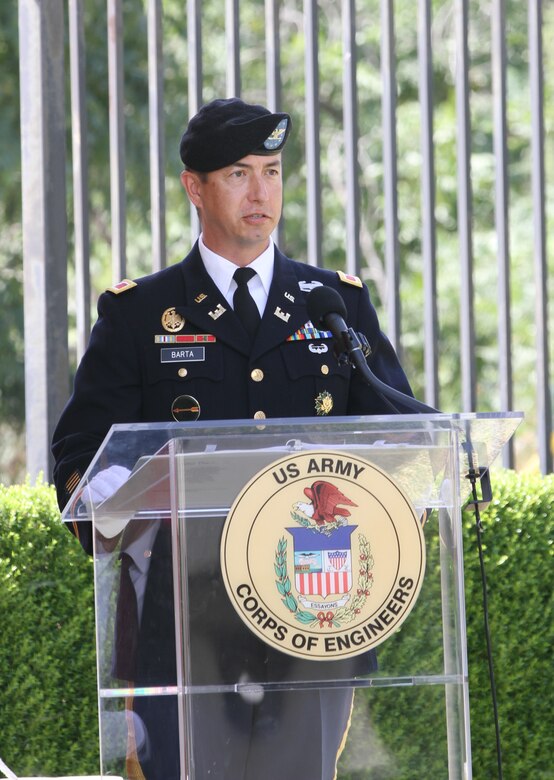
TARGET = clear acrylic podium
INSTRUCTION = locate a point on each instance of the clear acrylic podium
(185, 644)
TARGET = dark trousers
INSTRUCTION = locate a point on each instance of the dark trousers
(295, 735)
(285, 734)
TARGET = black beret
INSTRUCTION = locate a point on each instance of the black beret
(226, 130)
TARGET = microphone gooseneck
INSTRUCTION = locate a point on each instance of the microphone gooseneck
(327, 309)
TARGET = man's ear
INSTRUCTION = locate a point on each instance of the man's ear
(191, 182)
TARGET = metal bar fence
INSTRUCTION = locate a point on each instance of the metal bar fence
(157, 143)
(45, 250)
(392, 249)
(467, 316)
(498, 56)
(313, 148)
(350, 123)
(428, 225)
(544, 400)
(273, 73)
(80, 174)
(44, 224)
(117, 139)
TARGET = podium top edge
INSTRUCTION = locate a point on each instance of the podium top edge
(350, 420)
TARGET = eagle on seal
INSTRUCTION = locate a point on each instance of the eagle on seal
(325, 499)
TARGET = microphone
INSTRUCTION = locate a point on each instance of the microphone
(327, 309)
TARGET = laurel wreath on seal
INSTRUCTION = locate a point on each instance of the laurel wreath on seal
(343, 614)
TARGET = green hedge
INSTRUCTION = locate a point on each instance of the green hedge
(48, 705)
(48, 709)
(519, 562)
(408, 723)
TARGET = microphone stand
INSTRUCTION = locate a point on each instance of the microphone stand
(475, 474)
(355, 350)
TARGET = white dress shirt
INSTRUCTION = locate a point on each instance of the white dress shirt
(221, 270)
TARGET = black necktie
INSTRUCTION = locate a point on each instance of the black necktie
(243, 303)
(126, 624)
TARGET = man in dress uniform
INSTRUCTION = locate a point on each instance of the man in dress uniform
(244, 301)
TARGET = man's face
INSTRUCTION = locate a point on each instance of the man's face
(239, 206)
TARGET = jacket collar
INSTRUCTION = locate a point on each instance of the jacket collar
(207, 309)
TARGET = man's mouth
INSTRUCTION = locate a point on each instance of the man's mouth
(256, 216)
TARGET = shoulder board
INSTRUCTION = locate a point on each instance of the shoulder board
(350, 279)
(125, 284)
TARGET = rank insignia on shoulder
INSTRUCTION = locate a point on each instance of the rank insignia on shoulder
(350, 279)
(122, 286)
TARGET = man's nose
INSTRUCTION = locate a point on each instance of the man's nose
(258, 188)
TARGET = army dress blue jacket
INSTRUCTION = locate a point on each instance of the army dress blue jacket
(131, 372)
(134, 371)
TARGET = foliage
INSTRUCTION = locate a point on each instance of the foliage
(48, 718)
(11, 272)
(11, 330)
(518, 553)
(371, 169)
(403, 728)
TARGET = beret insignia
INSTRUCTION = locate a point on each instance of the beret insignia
(277, 137)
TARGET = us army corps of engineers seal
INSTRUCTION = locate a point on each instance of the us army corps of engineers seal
(322, 555)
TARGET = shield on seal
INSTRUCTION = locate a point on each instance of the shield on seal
(322, 564)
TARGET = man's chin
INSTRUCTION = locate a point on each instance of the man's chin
(257, 237)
